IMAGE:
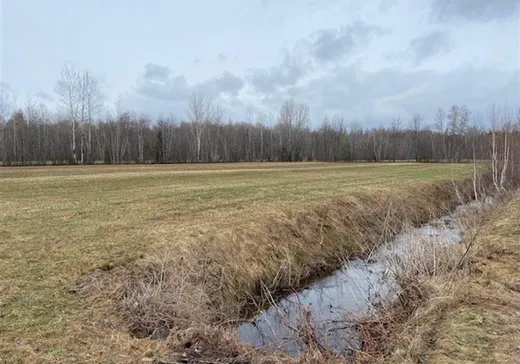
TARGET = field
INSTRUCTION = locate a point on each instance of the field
(58, 224)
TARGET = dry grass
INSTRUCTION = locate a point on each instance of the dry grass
(58, 224)
(235, 268)
(484, 325)
(428, 275)
(464, 306)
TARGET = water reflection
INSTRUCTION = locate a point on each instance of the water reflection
(355, 288)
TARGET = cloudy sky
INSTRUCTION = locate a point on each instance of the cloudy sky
(369, 60)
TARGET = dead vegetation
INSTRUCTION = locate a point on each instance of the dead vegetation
(483, 323)
(178, 247)
(214, 283)
(457, 304)
(427, 275)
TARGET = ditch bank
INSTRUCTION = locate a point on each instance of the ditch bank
(321, 314)
(221, 280)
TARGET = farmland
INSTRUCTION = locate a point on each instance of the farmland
(59, 224)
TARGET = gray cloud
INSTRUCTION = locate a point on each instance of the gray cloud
(334, 44)
(475, 87)
(324, 46)
(222, 57)
(430, 44)
(331, 45)
(372, 98)
(474, 10)
(328, 39)
(315, 72)
(158, 82)
(156, 72)
(376, 97)
(292, 69)
(229, 83)
(353, 92)
(226, 83)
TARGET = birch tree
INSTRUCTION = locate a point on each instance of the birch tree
(67, 90)
(198, 113)
(440, 128)
(91, 101)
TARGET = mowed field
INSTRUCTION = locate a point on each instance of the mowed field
(57, 224)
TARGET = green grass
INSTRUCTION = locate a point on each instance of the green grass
(59, 223)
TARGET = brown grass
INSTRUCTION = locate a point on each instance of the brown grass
(468, 311)
(212, 345)
(219, 229)
(484, 325)
(218, 278)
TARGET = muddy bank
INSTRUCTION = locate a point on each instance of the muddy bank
(320, 312)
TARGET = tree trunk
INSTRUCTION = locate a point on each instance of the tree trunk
(74, 159)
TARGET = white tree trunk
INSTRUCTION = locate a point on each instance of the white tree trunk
(74, 159)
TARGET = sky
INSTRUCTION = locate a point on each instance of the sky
(370, 61)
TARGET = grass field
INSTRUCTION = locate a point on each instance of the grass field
(57, 224)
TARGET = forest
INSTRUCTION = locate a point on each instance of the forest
(80, 132)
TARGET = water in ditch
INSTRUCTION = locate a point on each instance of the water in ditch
(356, 289)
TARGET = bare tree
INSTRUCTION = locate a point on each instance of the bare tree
(507, 130)
(473, 134)
(440, 127)
(260, 121)
(285, 126)
(250, 117)
(394, 136)
(79, 96)
(293, 120)
(416, 126)
(198, 114)
(67, 89)
(464, 121)
(33, 135)
(142, 124)
(500, 149)
(91, 104)
(44, 118)
(378, 136)
(218, 116)
(453, 145)
(300, 135)
(118, 133)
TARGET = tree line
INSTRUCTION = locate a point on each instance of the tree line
(78, 135)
